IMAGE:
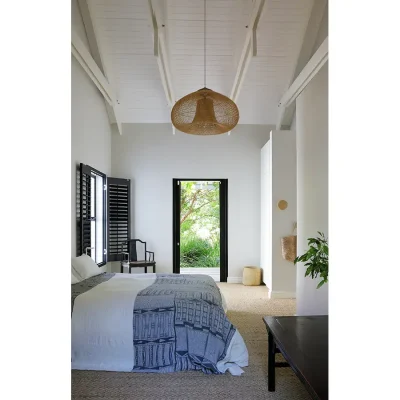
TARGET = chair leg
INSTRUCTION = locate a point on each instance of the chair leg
(122, 268)
(145, 269)
(154, 268)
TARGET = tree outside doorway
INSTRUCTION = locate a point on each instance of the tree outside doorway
(200, 224)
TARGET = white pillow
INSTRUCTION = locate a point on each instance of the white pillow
(84, 267)
(74, 279)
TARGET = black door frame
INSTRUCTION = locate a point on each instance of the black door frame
(176, 231)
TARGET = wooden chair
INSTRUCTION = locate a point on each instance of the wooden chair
(137, 256)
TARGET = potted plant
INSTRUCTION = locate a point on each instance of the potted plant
(316, 258)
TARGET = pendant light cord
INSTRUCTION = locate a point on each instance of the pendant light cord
(205, 56)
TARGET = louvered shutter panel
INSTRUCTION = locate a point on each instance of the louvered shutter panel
(85, 210)
(119, 211)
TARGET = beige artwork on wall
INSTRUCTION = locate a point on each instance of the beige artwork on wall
(282, 204)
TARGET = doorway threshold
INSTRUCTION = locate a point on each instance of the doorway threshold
(213, 272)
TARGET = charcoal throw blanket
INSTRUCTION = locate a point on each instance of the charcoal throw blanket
(179, 324)
(153, 323)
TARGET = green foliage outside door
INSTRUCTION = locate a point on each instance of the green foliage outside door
(200, 224)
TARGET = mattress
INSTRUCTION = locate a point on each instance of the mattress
(153, 323)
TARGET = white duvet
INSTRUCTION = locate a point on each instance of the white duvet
(102, 327)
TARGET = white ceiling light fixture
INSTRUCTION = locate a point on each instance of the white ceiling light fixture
(205, 112)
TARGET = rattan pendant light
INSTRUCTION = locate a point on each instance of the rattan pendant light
(205, 112)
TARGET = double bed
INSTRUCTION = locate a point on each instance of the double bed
(153, 323)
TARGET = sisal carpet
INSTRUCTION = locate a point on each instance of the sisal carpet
(246, 307)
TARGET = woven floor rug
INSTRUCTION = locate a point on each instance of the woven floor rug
(247, 305)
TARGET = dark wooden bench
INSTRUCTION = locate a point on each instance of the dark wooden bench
(303, 341)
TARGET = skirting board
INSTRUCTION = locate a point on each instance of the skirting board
(238, 279)
(235, 279)
(281, 295)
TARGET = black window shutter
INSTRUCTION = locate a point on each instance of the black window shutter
(84, 210)
(119, 211)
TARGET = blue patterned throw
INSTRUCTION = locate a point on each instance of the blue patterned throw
(179, 324)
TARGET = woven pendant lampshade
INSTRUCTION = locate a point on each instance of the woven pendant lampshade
(205, 112)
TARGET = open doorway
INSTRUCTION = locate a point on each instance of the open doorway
(200, 226)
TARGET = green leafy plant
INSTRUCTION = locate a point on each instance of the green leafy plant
(316, 258)
(199, 253)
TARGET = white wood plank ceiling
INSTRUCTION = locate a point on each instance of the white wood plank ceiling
(124, 33)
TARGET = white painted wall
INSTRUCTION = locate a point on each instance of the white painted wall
(312, 184)
(293, 126)
(90, 129)
(151, 156)
(266, 215)
(278, 183)
(283, 145)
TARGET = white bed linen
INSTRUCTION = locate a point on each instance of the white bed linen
(102, 328)
(224, 306)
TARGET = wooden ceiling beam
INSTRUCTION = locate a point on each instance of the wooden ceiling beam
(286, 113)
(249, 48)
(317, 61)
(158, 18)
(87, 62)
(157, 9)
(100, 61)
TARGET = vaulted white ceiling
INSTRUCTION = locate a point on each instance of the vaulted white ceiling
(125, 36)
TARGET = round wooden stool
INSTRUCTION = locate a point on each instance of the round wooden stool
(251, 276)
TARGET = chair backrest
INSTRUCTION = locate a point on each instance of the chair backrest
(137, 250)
